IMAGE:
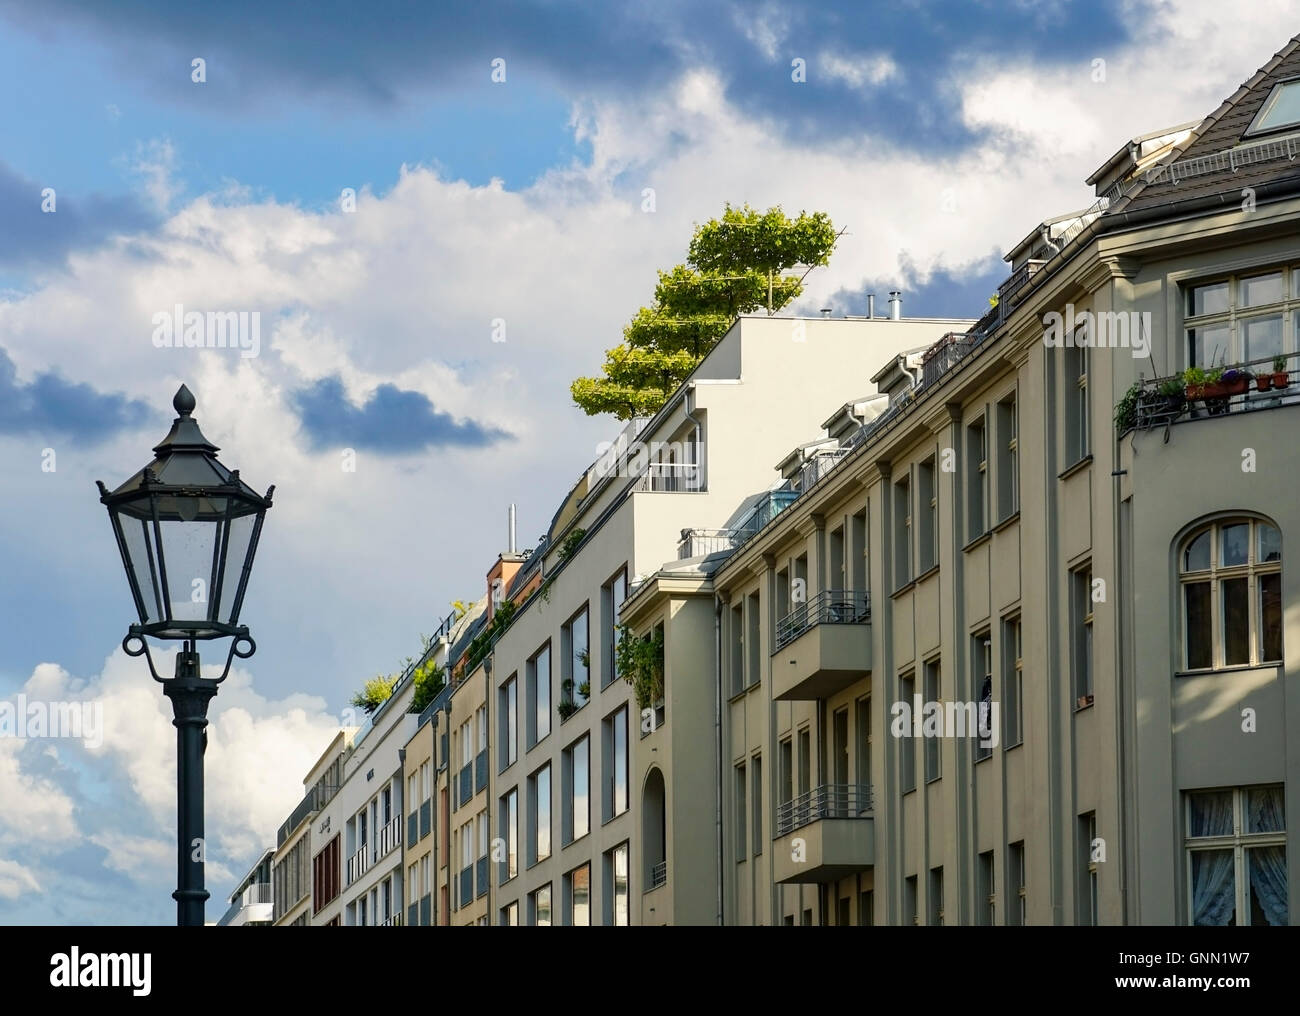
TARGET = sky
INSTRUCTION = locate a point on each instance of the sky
(441, 218)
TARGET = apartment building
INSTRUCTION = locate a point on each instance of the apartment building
(1071, 553)
(292, 876)
(250, 903)
(583, 786)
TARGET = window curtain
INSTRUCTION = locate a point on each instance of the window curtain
(1214, 890)
(1267, 866)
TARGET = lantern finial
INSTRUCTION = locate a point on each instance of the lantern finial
(184, 403)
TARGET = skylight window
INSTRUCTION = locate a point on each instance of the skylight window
(1280, 109)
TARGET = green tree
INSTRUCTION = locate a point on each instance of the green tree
(374, 693)
(734, 266)
(429, 680)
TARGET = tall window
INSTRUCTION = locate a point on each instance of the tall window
(577, 654)
(736, 630)
(1088, 859)
(902, 532)
(985, 891)
(508, 713)
(1008, 461)
(935, 896)
(786, 761)
(616, 764)
(933, 759)
(754, 661)
(1017, 911)
(617, 896)
(1081, 634)
(510, 915)
(977, 478)
(741, 826)
(1236, 856)
(981, 646)
(863, 722)
(1078, 443)
(577, 780)
(1231, 577)
(612, 596)
(539, 907)
(909, 900)
(927, 510)
(539, 809)
(805, 760)
(756, 764)
(510, 831)
(1243, 318)
(539, 695)
(1013, 688)
(906, 745)
(577, 887)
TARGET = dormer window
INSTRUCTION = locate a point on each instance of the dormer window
(1280, 109)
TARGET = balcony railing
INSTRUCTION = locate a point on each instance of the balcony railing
(389, 838)
(830, 800)
(945, 354)
(832, 606)
(395, 921)
(659, 875)
(359, 863)
(1168, 400)
(671, 476)
(314, 800)
(819, 465)
(699, 542)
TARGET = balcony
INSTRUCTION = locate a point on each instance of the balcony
(389, 838)
(658, 875)
(1162, 401)
(825, 834)
(253, 906)
(822, 646)
(945, 354)
(359, 863)
(394, 921)
(671, 477)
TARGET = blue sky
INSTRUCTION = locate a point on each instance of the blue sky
(938, 133)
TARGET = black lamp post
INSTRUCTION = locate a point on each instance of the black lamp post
(187, 528)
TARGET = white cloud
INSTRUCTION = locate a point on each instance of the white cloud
(15, 880)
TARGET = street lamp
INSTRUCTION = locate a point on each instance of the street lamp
(187, 528)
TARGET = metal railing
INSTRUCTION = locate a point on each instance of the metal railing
(945, 354)
(359, 863)
(699, 542)
(832, 606)
(819, 465)
(671, 477)
(659, 875)
(830, 800)
(389, 838)
(1167, 400)
(313, 801)
(395, 921)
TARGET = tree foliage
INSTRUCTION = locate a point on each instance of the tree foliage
(374, 693)
(734, 266)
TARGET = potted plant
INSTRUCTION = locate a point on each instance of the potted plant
(1174, 394)
(566, 709)
(1263, 381)
(1281, 379)
(1126, 410)
(584, 689)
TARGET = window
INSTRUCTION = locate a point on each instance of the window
(1018, 910)
(539, 811)
(786, 775)
(1236, 857)
(985, 895)
(539, 695)
(756, 763)
(1078, 442)
(577, 787)
(805, 761)
(617, 895)
(424, 875)
(866, 909)
(507, 711)
(902, 532)
(935, 897)
(906, 746)
(977, 478)
(576, 685)
(1247, 318)
(413, 882)
(510, 829)
(927, 511)
(981, 646)
(616, 764)
(741, 826)
(1088, 858)
(1081, 634)
(933, 693)
(752, 641)
(1231, 578)
(909, 900)
(858, 551)
(481, 723)
(539, 907)
(325, 873)
(863, 720)
(1280, 109)
(510, 915)
(1008, 464)
(612, 596)
(577, 891)
(737, 631)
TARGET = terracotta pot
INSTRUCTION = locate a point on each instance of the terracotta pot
(1262, 382)
(1217, 389)
(1281, 380)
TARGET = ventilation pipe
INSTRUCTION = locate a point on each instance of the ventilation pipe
(512, 529)
(871, 306)
(895, 305)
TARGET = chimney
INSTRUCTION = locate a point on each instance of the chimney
(871, 306)
(895, 305)
(826, 312)
(512, 529)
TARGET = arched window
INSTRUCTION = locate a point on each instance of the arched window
(1230, 572)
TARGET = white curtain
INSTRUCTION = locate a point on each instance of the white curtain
(1267, 867)
(1214, 889)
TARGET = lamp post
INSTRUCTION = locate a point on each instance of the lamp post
(187, 528)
